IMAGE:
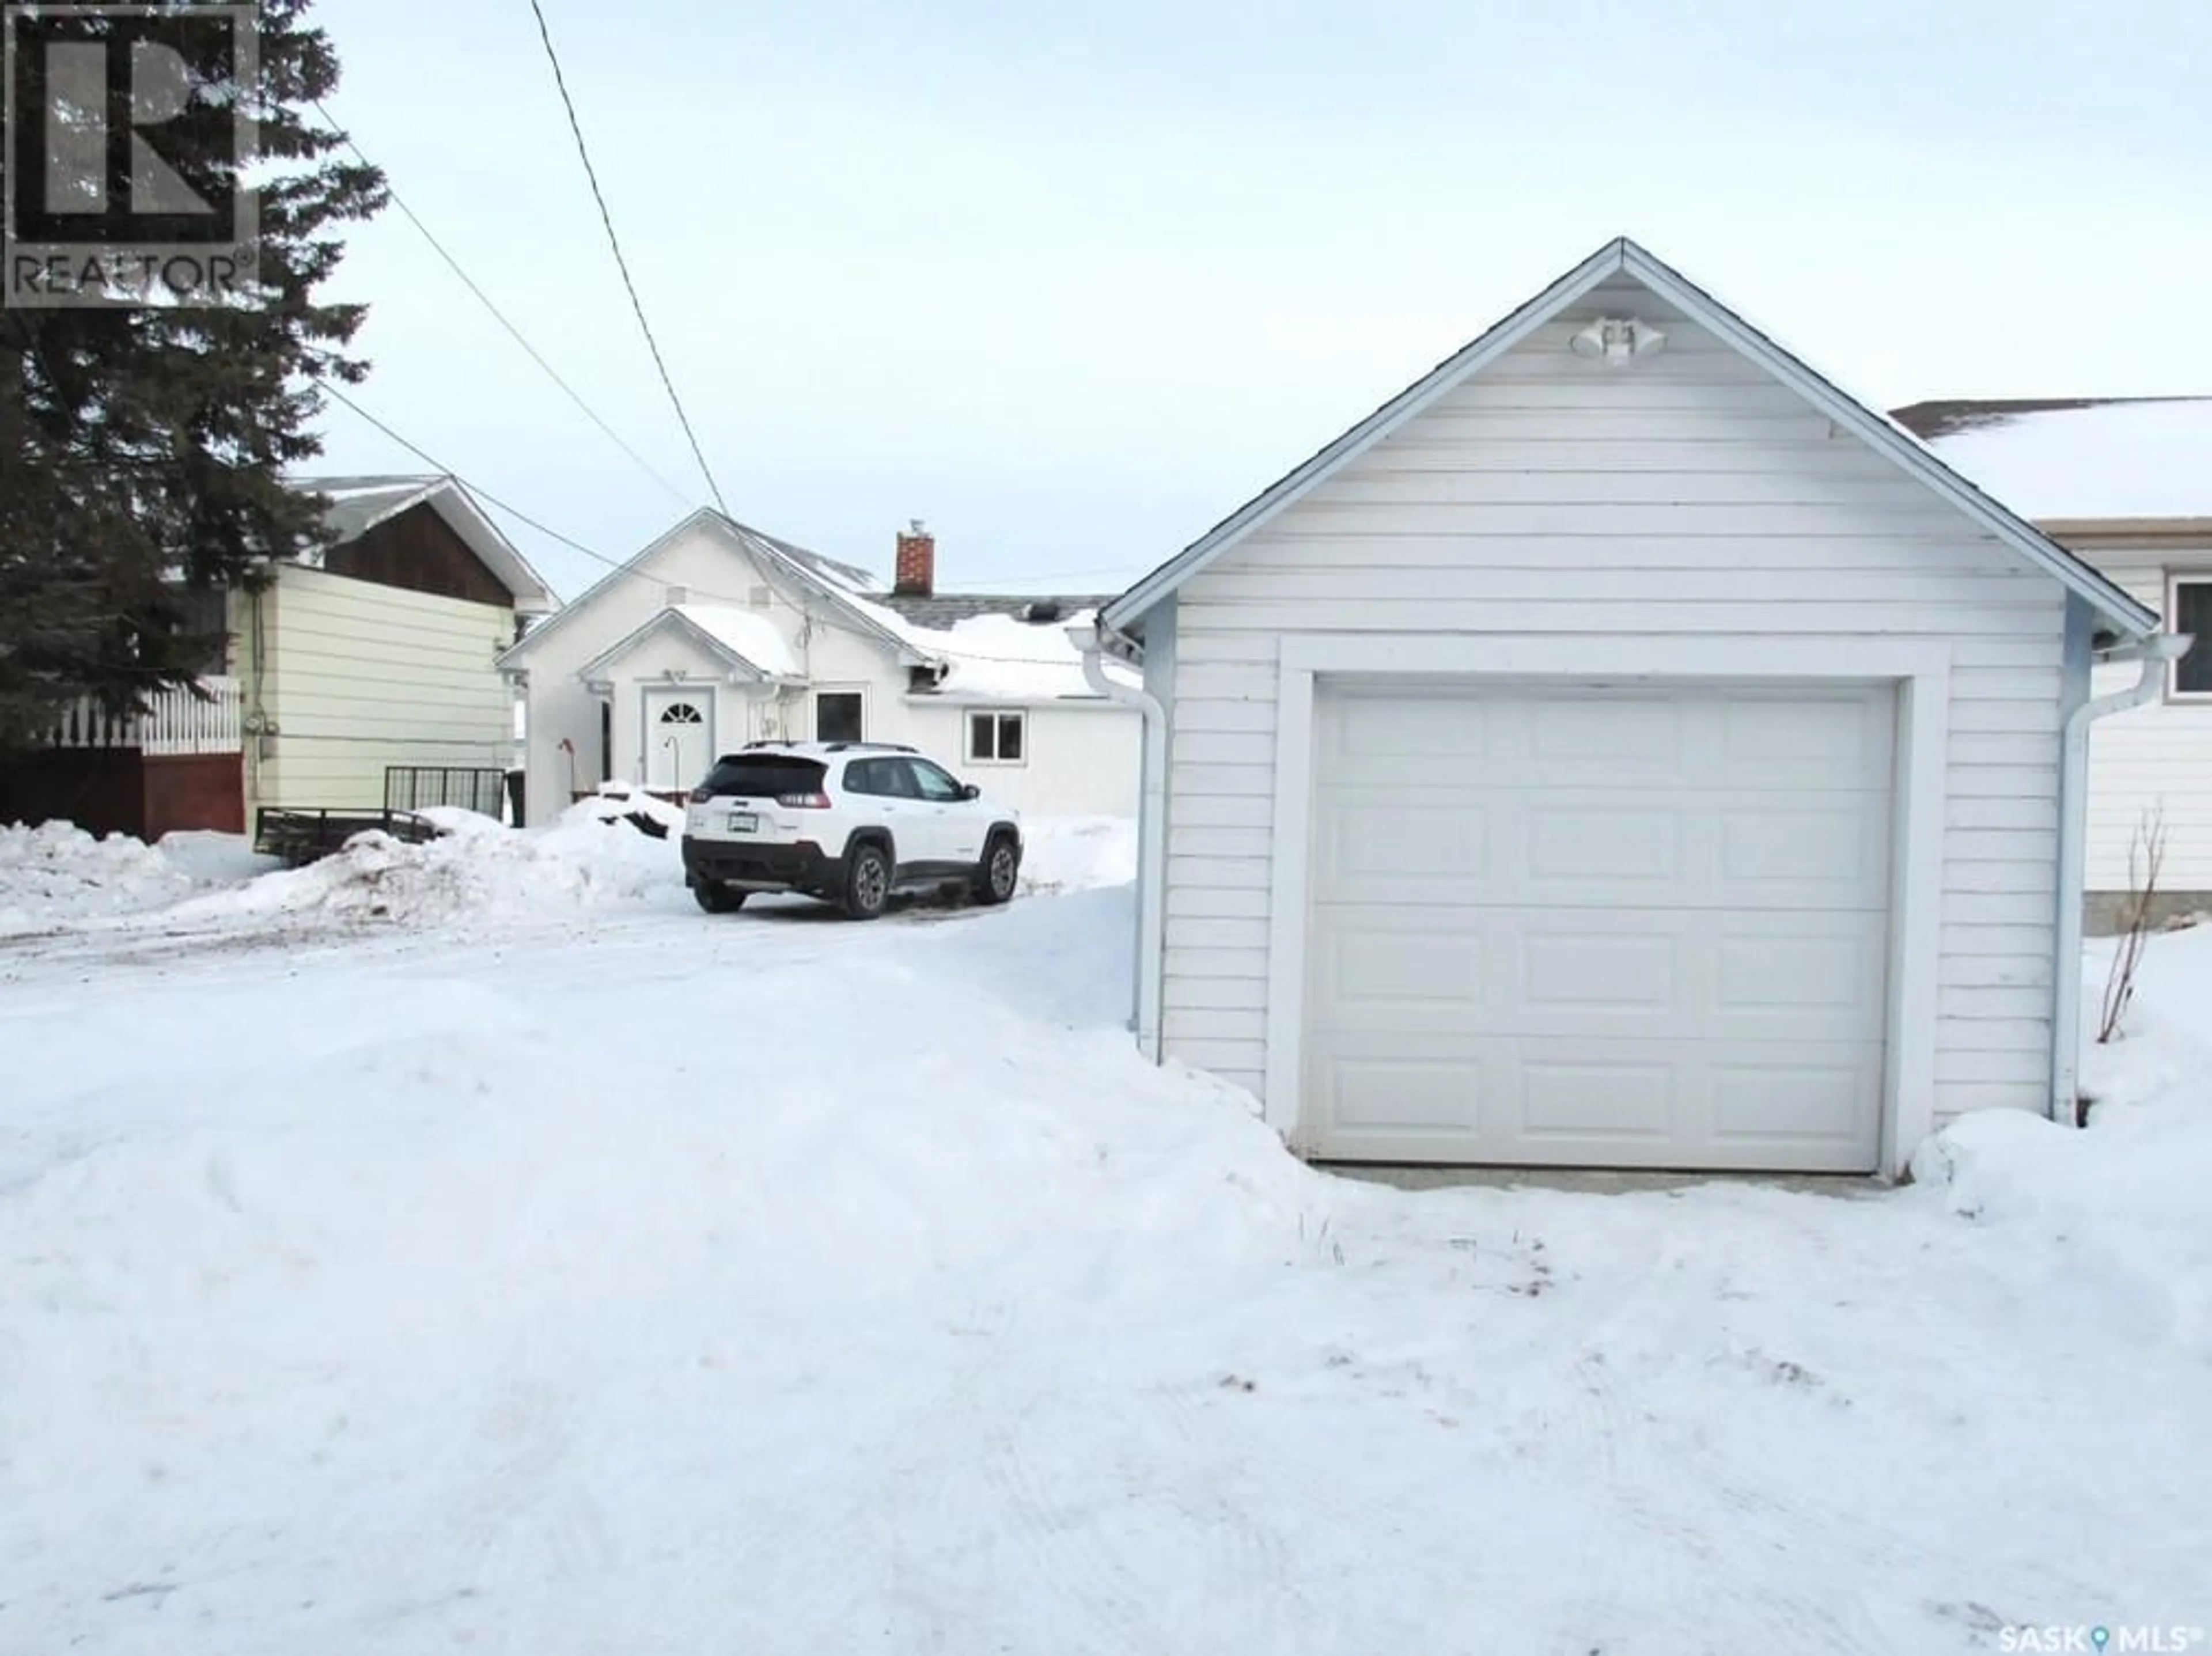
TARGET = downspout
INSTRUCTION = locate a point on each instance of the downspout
(2157, 654)
(1151, 865)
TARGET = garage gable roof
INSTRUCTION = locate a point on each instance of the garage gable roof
(1625, 257)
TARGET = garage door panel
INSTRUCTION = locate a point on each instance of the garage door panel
(1581, 1105)
(1641, 1104)
(1417, 728)
(1558, 973)
(1616, 939)
(1821, 739)
(1579, 843)
(1582, 848)
(1602, 974)
(1399, 847)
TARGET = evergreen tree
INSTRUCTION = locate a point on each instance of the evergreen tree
(143, 450)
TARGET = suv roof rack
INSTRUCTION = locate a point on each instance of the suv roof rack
(877, 747)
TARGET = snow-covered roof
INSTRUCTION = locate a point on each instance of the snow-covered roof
(2082, 458)
(358, 505)
(746, 641)
(747, 633)
(999, 656)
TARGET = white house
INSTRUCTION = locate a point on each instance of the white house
(2126, 485)
(1620, 750)
(717, 634)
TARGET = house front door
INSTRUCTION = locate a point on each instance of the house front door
(679, 736)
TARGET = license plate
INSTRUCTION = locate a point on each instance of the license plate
(744, 822)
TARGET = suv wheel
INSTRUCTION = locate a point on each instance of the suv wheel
(995, 878)
(867, 882)
(718, 899)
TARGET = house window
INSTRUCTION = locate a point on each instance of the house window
(837, 716)
(997, 738)
(2189, 611)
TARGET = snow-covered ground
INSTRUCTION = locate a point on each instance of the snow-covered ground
(541, 1265)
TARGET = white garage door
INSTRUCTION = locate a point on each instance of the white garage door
(1600, 927)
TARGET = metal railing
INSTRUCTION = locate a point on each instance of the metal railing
(419, 787)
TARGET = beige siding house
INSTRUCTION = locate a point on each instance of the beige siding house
(2126, 484)
(382, 650)
(1622, 749)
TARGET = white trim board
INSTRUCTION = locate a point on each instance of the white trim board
(1922, 670)
(1624, 258)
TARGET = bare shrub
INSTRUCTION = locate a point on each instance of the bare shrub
(2146, 862)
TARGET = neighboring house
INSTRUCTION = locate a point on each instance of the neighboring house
(716, 635)
(2125, 484)
(1620, 750)
(375, 657)
(368, 663)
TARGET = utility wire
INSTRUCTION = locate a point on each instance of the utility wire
(498, 315)
(606, 218)
(619, 566)
(481, 493)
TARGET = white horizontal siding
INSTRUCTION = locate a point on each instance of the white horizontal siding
(1690, 497)
(2154, 759)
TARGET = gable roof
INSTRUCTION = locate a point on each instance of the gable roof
(2079, 459)
(744, 640)
(1625, 257)
(358, 505)
(840, 583)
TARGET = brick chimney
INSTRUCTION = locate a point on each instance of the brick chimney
(915, 575)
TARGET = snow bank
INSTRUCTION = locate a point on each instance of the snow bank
(2116, 1214)
(595, 854)
(1077, 853)
(58, 876)
(787, 1286)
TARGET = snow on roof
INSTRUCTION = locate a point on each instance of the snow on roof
(358, 505)
(998, 656)
(1001, 659)
(845, 577)
(2063, 461)
(748, 633)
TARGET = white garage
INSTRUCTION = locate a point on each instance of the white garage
(1579, 925)
(1622, 749)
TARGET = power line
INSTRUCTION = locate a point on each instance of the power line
(606, 218)
(499, 316)
(480, 492)
(618, 566)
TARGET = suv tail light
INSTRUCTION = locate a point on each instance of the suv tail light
(816, 801)
(701, 794)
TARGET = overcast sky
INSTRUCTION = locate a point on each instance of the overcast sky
(1072, 284)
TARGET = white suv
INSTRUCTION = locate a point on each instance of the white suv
(850, 823)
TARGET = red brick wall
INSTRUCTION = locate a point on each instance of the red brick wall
(915, 573)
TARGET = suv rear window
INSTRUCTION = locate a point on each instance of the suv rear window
(762, 776)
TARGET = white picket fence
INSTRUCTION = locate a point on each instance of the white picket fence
(177, 722)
